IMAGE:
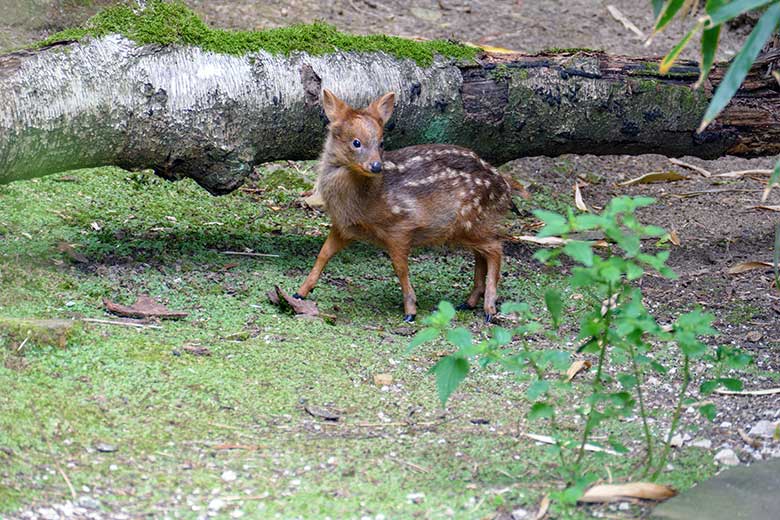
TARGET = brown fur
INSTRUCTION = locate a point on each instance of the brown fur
(424, 195)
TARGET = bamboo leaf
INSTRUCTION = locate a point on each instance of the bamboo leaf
(709, 46)
(667, 14)
(657, 6)
(742, 62)
(730, 10)
(673, 54)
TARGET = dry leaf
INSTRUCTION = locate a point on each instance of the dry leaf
(64, 247)
(767, 208)
(577, 367)
(578, 199)
(699, 169)
(546, 439)
(306, 308)
(617, 492)
(744, 267)
(383, 379)
(196, 350)
(544, 505)
(321, 412)
(647, 178)
(674, 238)
(144, 307)
(236, 447)
(552, 241)
(744, 173)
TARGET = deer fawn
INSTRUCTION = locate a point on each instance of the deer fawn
(416, 196)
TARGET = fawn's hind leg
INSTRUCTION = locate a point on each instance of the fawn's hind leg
(333, 244)
(399, 255)
(493, 254)
(480, 272)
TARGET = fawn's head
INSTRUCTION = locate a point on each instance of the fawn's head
(355, 139)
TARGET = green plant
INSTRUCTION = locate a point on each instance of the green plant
(616, 327)
(715, 14)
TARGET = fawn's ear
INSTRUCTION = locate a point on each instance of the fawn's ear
(335, 109)
(382, 107)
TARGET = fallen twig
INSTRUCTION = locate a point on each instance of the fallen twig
(121, 323)
(768, 391)
(242, 253)
(699, 169)
(628, 24)
(23, 342)
(412, 465)
(546, 439)
(67, 481)
(742, 173)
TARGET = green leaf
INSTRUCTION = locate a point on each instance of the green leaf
(423, 336)
(709, 46)
(450, 371)
(460, 337)
(559, 359)
(633, 271)
(667, 14)
(537, 388)
(541, 411)
(552, 299)
(709, 411)
(579, 251)
(554, 224)
(447, 311)
(707, 387)
(627, 381)
(617, 445)
(512, 307)
(735, 385)
(731, 10)
(501, 335)
(741, 64)
(673, 54)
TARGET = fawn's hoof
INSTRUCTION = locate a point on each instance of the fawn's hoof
(489, 317)
(464, 307)
(298, 296)
(409, 318)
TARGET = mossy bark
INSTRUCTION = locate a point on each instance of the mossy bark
(185, 112)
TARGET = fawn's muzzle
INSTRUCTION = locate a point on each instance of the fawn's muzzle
(376, 167)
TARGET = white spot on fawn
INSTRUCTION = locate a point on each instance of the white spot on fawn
(396, 210)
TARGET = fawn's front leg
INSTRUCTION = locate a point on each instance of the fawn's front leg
(399, 255)
(333, 244)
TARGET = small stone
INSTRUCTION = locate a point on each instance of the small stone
(216, 504)
(236, 513)
(520, 514)
(415, 498)
(727, 457)
(229, 476)
(765, 429)
(428, 15)
(48, 513)
(754, 336)
(88, 502)
(103, 447)
(702, 443)
(676, 441)
(113, 467)
(726, 424)
(624, 506)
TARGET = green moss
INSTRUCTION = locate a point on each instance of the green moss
(173, 22)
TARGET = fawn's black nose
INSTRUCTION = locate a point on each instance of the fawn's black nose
(376, 167)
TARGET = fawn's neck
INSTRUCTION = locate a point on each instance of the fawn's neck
(349, 197)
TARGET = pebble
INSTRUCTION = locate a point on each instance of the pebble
(727, 457)
(88, 502)
(765, 429)
(415, 498)
(520, 514)
(676, 441)
(229, 476)
(702, 443)
(216, 504)
(104, 447)
(624, 506)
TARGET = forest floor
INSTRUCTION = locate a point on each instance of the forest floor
(128, 421)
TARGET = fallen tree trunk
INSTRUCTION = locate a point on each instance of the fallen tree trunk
(188, 113)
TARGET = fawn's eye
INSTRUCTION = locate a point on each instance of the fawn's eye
(356, 143)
